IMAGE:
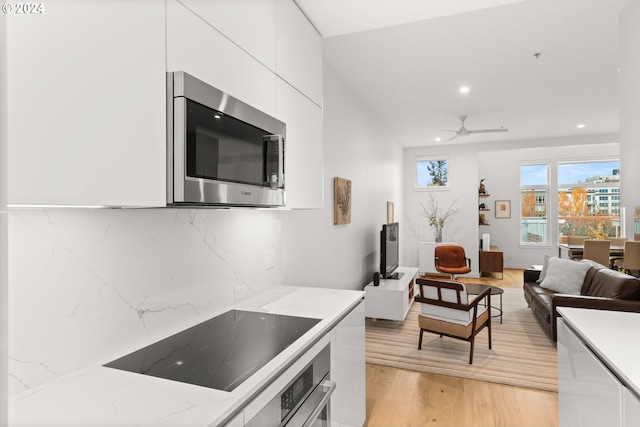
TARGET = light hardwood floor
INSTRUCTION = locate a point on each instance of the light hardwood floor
(402, 398)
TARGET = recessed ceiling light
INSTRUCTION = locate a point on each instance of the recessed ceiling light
(464, 89)
(438, 138)
(581, 125)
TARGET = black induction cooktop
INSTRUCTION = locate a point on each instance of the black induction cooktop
(219, 353)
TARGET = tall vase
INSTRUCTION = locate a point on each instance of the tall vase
(438, 235)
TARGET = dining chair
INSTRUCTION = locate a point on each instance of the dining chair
(447, 311)
(631, 260)
(597, 250)
(615, 260)
(576, 240)
(452, 260)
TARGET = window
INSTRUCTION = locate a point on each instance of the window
(432, 172)
(584, 205)
(534, 187)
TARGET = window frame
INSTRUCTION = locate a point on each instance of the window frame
(431, 158)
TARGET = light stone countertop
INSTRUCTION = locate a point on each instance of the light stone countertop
(99, 396)
(613, 337)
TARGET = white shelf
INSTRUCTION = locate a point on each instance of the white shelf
(392, 299)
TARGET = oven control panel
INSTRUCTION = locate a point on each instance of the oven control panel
(296, 392)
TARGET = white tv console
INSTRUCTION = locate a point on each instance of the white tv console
(392, 299)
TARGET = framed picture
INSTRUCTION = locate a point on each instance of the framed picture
(503, 208)
(341, 201)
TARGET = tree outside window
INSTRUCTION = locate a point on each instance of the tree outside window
(432, 173)
(533, 209)
(584, 205)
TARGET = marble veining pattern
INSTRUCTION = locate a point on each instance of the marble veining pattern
(89, 284)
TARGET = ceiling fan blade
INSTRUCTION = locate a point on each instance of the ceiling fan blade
(488, 130)
(453, 137)
(446, 130)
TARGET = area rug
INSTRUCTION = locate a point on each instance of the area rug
(521, 355)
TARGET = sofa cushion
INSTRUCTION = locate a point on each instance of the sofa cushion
(564, 276)
(545, 265)
(608, 283)
(591, 273)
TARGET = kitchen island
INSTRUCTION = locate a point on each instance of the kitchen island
(97, 395)
(598, 367)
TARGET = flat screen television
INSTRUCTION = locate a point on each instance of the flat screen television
(389, 251)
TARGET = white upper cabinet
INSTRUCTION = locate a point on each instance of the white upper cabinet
(196, 47)
(87, 93)
(87, 104)
(299, 51)
(304, 169)
(251, 24)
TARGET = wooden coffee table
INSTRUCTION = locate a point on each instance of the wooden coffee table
(477, 288)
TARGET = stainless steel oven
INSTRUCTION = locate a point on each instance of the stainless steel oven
(304, 401)
(221, 151)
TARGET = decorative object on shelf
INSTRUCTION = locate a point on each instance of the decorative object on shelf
(436, 217)
(482, 220)
(341, 201)
(483, 207)
(389, 212)
(482, 189)
(503, 208)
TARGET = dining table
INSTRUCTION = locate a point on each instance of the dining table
(578, 250)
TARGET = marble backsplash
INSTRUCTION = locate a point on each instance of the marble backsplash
(88, 285)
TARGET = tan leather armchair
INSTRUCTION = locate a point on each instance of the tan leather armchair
(447, 311)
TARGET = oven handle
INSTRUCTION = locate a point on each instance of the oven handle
(311, 408)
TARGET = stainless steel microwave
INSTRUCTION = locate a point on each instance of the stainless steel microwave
(221, 151)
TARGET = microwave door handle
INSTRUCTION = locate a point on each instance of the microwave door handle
(313, 405)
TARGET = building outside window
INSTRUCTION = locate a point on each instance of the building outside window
(534, 188)
(584, 205)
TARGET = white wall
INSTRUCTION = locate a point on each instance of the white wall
(461, 228)
(315, 251)
(498, 163)
(630, 108)
(87, 285)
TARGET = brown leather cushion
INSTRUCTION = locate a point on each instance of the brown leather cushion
(591, 273)
(608, 283)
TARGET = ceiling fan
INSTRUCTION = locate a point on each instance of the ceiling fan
(463, 131)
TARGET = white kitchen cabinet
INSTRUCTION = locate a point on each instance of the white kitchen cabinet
(631, 413)
(86, 104)
(191, 45)
(304, 165)
(299, 52)
(588, 393)
(348, 402)
(251, 24)
(196, 47)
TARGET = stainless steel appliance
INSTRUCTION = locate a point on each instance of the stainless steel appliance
(221, 151)
(305, 401)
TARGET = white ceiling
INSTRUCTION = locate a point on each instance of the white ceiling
(406, 59)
